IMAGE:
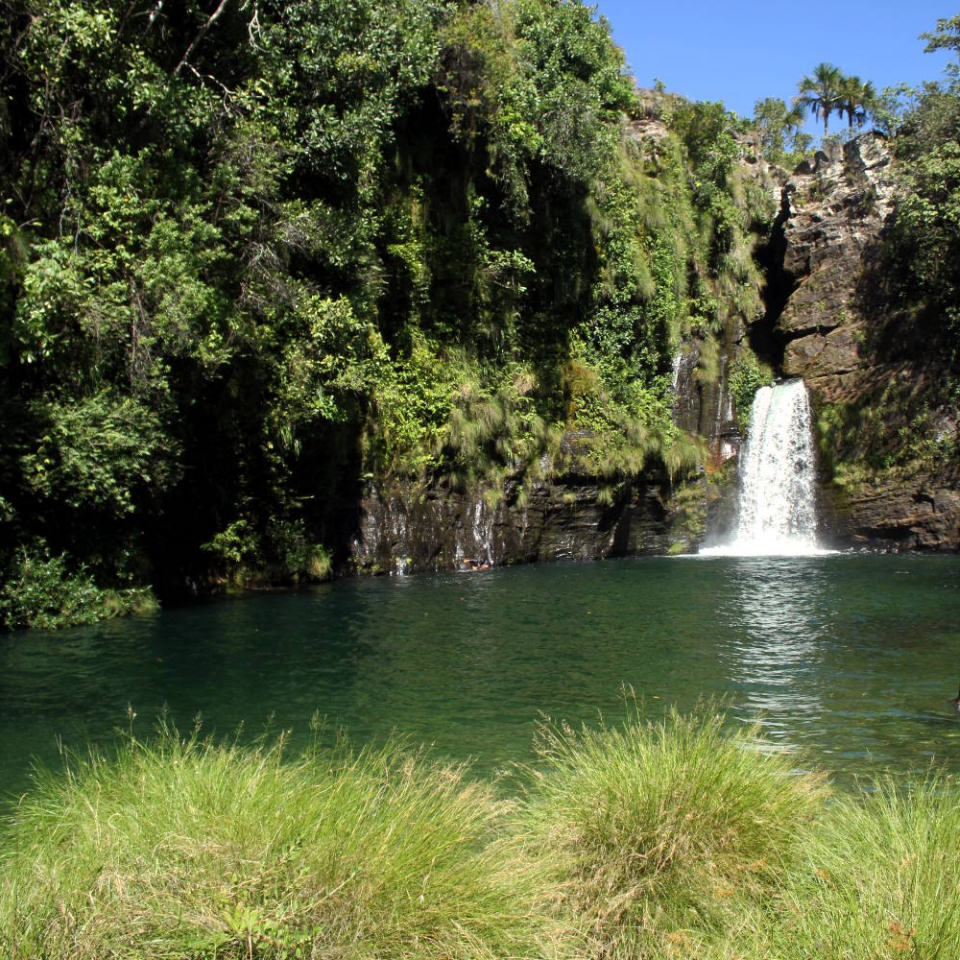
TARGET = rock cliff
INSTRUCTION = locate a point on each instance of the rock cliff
(410, 527)
(833, 213)
(874, 407)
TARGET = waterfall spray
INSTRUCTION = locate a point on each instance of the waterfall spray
(777, 506)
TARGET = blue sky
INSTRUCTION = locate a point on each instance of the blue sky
(740, 51)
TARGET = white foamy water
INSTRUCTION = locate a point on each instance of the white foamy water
(777, 507)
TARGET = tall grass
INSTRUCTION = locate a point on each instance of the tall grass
(879, 878)
(187, 848)
(669, 839)
(660, 835)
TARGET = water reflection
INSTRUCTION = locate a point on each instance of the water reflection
(782, 609)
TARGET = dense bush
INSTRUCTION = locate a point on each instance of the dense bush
(43, 592)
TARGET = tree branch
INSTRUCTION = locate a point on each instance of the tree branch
(203, 32)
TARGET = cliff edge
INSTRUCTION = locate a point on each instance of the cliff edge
(887, 430)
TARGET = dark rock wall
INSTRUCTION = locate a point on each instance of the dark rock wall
(410, 527)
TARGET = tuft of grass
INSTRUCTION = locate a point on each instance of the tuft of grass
(134, 601)
(184, 847)
(879, 877)
(660, 836)
(674, 838)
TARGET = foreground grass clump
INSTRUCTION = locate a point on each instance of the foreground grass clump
(652, 840)
(661, 837)
(879, 878)
(187, 848)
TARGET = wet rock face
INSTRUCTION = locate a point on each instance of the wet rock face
(922, 513)
(834, 212)
(836, 208)
(408, 527)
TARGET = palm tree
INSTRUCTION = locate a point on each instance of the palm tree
(821, 92)
(856, 99)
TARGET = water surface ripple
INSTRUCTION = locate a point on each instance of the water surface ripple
(848, 659)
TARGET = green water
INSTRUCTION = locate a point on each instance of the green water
(849, 659)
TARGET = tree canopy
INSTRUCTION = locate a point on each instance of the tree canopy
(255, 254)
(828, 90)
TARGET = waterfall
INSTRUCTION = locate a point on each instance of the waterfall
(677, 364)
(777, 506)
(482, 533)
(476, 541)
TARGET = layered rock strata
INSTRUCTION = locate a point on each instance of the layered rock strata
(409, 527)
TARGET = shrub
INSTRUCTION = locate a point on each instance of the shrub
(43, 592)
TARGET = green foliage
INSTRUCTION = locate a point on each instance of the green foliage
(235, 544)
(918, 272)
(892, 105)
(688, 519)
(781, 140)
(946, 37)
(727, 205)
(927, 215)
(747, 375)
(104, 453)
(894, 433)
(250, 255)
(300, 559)
(495, 431)
(413, 404)
(46, 592)
(337, 358)
(282, 553)
(828, 90)
(924, 243)
(821, 92)
(857, 99)
(41, 593)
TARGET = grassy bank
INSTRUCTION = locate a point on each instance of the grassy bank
(671, 839)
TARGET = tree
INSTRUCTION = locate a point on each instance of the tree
(946, 37)
(821, 92)
(923, 240)
(856, 100)
(778, 130)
